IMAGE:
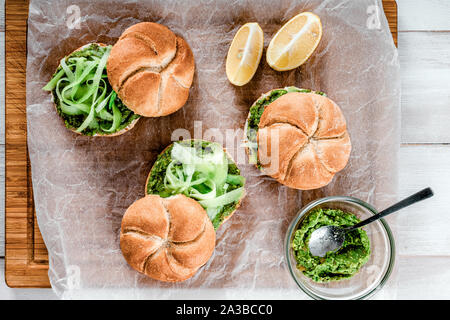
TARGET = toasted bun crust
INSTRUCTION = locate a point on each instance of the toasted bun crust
(151, 69)
(303, 140)
(118, 133)
(167, 239)
(227, 217)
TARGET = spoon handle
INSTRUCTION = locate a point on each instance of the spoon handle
(419, 196)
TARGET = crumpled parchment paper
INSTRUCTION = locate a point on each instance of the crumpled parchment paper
(82, 186)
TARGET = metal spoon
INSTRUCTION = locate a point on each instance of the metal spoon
(331, 238)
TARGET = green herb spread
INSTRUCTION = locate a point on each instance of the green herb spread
(157, 182)
(83, 96)
(339, 265)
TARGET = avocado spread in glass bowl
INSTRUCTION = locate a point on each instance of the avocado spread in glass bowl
(355, 271)
(341, 264)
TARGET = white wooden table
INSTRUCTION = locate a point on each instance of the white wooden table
(423, 235)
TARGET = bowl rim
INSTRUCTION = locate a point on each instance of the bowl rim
(360, 202)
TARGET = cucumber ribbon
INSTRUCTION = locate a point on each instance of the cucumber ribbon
(203, 175)
(82, 89)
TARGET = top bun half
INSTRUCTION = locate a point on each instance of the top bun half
(151, 69)
(167, 239)
(303, 140)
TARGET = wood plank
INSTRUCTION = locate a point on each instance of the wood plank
(2, 201)
(423, 277)
(7, 293)
(422, 229)
(2, 92)
(2, 129)
(390, 10)
(424, 15)
(26, 264)
(22, 269)
(425, 73)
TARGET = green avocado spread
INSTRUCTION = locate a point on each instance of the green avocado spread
(114, 117)
(256, 112)
(156, 183)
(341, 264)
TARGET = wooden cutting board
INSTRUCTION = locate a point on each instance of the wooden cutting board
(26, 255)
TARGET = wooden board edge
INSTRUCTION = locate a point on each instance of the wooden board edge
(390, 8)
(21, 269)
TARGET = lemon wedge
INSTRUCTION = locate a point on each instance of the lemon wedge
(245, 54)
(295, 42)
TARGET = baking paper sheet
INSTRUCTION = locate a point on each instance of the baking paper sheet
(82, 186)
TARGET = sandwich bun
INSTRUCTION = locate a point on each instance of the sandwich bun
(151, 69)
(308, 134)
(167, 239)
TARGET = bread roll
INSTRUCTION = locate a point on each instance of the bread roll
(151, 69)
(167, 239)
(303, 140)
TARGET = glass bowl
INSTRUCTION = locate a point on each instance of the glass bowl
(371, 277)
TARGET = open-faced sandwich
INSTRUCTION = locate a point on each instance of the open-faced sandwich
(83, 97)
(201, 170)
(101, 90)
(297, 136)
